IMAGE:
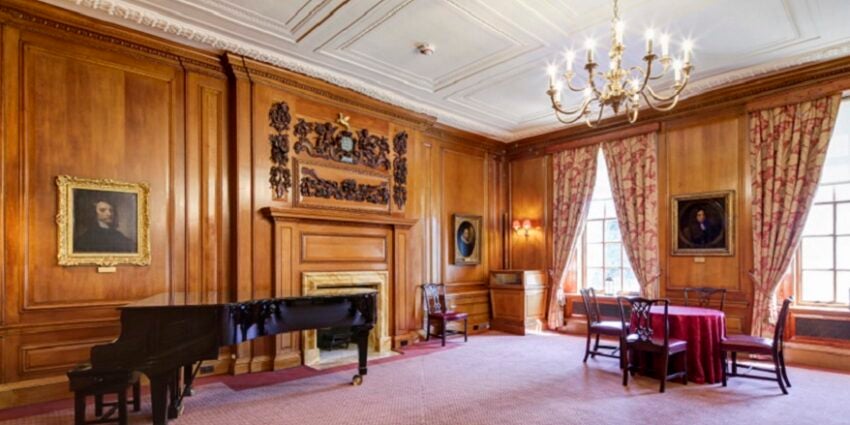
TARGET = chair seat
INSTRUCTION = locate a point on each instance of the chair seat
(657, 344)
(448, 315)
(747, 343)
(607, 327)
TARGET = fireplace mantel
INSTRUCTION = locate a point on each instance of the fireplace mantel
(338, 216)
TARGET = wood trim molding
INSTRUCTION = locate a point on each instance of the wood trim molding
(607, 136)
(338, 216)
(737, 95)
(46, 19)
(823, 89)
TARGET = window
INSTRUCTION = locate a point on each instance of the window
(824, 276)
(604, 259)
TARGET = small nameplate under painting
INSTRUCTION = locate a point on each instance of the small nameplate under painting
(107, 269)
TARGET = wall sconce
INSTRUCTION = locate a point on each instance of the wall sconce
(524, 226)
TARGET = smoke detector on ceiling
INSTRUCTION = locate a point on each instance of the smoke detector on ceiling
(426, 49)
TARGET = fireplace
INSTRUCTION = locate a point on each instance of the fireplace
(347, 282)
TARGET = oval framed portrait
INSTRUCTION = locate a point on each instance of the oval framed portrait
(702, 224)
(467, 239)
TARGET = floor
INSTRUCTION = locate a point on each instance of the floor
(499, 379)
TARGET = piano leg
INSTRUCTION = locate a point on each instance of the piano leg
(175, 405)
(159, 398)
(361, 337)
(188, 378)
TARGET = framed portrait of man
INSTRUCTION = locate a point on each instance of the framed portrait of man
(703, 224)
(102, 222)
(467, 239)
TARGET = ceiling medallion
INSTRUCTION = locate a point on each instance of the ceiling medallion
(623, 87)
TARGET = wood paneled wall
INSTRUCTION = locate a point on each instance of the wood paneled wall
(90, 99)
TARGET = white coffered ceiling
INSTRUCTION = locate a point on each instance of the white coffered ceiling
(487, 74)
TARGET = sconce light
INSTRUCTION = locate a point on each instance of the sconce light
(524, 226)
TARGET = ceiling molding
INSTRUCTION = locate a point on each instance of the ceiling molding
(153, 20)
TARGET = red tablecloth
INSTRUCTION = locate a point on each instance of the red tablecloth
(703, 328)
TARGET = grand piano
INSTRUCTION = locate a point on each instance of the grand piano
(165, 341)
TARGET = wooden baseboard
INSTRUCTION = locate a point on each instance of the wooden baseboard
(819, 356)
(34, 391)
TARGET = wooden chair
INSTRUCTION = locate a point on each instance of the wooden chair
(597, 327)
(704, 296)
(757, 345)
(434, 299)
(84, 383)
(641, 338)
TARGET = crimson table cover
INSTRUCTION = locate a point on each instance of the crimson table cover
(703, 328)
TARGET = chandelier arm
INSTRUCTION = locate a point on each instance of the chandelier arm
(662, 99)
(579, 112)
(575, 89)
(557, 107)
(665, 108)
(595, 123)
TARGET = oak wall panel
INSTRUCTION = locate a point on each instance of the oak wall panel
(529, 196)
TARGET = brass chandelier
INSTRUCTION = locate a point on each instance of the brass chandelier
(623, 87)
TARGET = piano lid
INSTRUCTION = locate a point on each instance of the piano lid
(164, 299)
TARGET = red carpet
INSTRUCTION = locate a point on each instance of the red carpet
(497, 379)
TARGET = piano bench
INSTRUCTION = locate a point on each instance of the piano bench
(85, 382)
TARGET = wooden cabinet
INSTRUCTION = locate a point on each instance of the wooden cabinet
(518, 300)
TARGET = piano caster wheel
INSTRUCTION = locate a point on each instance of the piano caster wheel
(356, 380)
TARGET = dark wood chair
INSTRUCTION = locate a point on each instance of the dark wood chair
(436, 312)
(702, 297)
(641, 338)
(597, 327)
(84, 383)
(763, 346)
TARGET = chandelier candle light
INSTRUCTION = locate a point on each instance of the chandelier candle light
(623, 87)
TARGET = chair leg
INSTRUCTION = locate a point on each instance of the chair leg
(137, 396)
(664, 364)
(784, 371)
(734, 363)
(622, 346)
(723, 372)
(779, 378)
(587, 347)
(98, 405)
(427, 328)
(624, 355)
(444, 332)
(685, 368)
(595, 347)
(465, 333)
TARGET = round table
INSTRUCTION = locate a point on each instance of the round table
(703, 328)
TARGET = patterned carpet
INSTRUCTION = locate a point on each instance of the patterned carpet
(500, 379)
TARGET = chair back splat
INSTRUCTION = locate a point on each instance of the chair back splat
(591, 306)
(436, 313)
(702, 297)
(434, 297)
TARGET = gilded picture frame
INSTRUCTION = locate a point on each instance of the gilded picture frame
(103, 222)
(468, 240)
(703, 224)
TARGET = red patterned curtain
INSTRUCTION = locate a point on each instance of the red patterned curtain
(574, 175)
(787, 151)
(633, 171)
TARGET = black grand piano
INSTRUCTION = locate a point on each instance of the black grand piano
(165, 341)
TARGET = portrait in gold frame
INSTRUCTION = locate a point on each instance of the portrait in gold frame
(102, 222)
(467, 239)
(703, 224)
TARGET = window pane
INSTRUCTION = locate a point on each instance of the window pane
(823, 194)
(837, 165)
(842, 253)
(817, 286)
(843, 223)
(594, 231)
(596, 210)
(630, 283)
(613, 279)
(613, 255)
(594, 255)
(610, 211)
(842, 192)
(817, 252)
(594, 278)
(612, 231)
(843, 294)
(819, 221)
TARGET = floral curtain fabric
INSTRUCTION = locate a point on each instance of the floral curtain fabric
(574, 177)
(633, 169)
(788, 146)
